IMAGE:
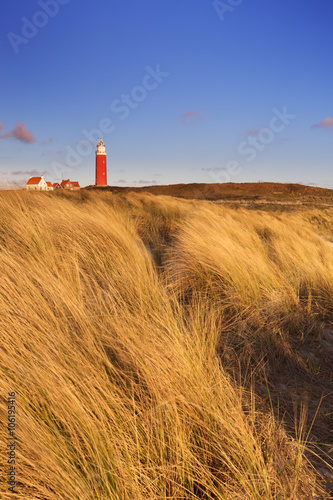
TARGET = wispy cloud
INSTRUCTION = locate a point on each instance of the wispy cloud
(325, 123)
(20, 132)
(253, 131)
(214, 169)
(30, 172)
(142, 181)
(121, 181)
(47, 141)
(191, 118)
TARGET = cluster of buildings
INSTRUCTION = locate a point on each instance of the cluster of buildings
(40, 184)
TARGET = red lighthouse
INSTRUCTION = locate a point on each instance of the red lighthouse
(101, 177)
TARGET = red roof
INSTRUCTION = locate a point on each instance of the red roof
(49, 184)
(34, 180)
(71, 183)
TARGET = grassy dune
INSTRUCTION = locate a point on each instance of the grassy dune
(146, 337)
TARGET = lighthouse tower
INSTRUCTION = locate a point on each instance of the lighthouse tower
(101, 178)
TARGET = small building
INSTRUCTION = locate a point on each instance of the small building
(49, 186)
(56, 185)
(70, 185)
(36, 184)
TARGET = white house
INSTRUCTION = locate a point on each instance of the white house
(37, 184)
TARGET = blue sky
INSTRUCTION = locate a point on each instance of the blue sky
(180, 90)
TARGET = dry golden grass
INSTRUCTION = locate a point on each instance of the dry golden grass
(115, 316)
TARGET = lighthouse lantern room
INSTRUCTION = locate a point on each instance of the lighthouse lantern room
(101, 177)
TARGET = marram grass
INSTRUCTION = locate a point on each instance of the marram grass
(112, 310)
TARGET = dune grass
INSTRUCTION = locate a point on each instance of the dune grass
(116, 314)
